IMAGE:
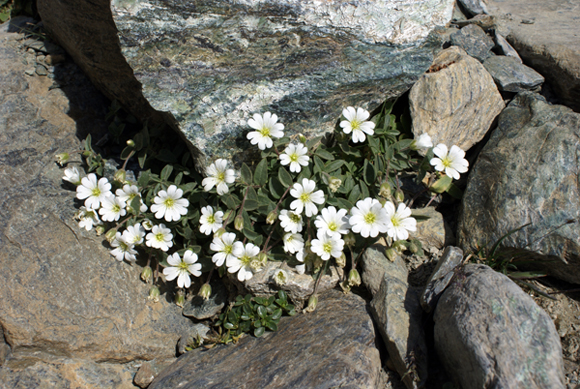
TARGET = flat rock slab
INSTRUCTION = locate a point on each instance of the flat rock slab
(490, 333)
(511, 75)
(527, 175)
(331, 347)
(545, 34)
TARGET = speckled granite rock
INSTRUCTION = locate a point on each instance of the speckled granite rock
(457, 103)
(212, 64)
(490, 333)
(65, 301)
(528, 173)
(331, 347)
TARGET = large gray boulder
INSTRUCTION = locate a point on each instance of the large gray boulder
(490, 334)
(212, 64)
(67, 308)
(527, 174)
(330, 347)
(456, 102)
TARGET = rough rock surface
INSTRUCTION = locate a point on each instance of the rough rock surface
(214, 64)
(457, 102)
(451, 258)
(398, 315)
(473, 7)
(490, 333)
(432, 231)
(331, 347)
(511, 75)
(474, 41)
(375, 265)
(528, 173)
(65, 304)
(504, 48)
(545, 34)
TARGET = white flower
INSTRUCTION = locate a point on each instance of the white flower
(219, 176)
(422, 142)
(134, 234)
(243, 264)
(159, 238)
(210, 221)
(112, 208)
(293, 243)
(94, 192)
(400, 221)
(72, 175)
(226, 248)
(295, 155)
(452, 161)
(182, 268)
(88, 218)
(326, 246)
(369, 218)
(266, 128)
(333, 222)
(306, 197)
(280, 277)
(290, 221)
(356, 122)
(169, 204)
(128, 193)
(123, 249)
(147, 224)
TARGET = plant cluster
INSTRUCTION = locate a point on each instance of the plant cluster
(306, 202)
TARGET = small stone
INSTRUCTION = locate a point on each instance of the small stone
(53, 59)
(511, 75)
(200, 308)
(442, 275)
(30, 72)
(474, 41)
(504, 48)
(41, 70)
(473, 7)
(149, 370)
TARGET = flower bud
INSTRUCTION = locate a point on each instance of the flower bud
(312, 302)
(385, 190)
(334, 184)
(302, 138)
(205, 291)
(154, 294)
(280, 277)
(400, 246)
(227, 216)
(120, 175)
(354, 278)
(272, 216)
(100, 230)
(341, 261)
(147, 224)
(219, 232)
(146, 274)
(131, 143)
(414, 246)
(399, 195)
(239, 223)
(391, 254)
(349, 239)
(111, 235)
(62, 158)
(263, 258)
(180, 298)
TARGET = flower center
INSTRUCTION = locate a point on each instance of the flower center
(116, 208)
(446, 162)
(221, 177)
(183, 267)
(396, 222)
(295, 218)
(160, 237)
(305, 197)
(332, 226)
(96, 192)
(169, 202)
(293, 157)
(327, 247)
(264, 131)
(228, 249)
(123, 246)
(245, 260)
(211, 219)
(370, 218)
(355, 124)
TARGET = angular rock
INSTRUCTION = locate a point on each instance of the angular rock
(527, 174)
(375, 265)
(398, 314)
(451, 258)
(197, 335)
(490, 333)
(473, 7)
(504, 48)
(457, 102)
(432, 231)
(212, 65)
(149, 370)
(200, 308)
(474, 41)
(298, 286)
(511, 75)
(63, 295)
(331, 347)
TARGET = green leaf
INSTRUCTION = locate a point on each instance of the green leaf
(166, 172)
(354, 195)
(230, 200)
(229, 326)
(246, 174)
(285, 177)
(276, 188)
(334, 165)
(178, 178)
(165, 155)
(136, 204)
(277, 314)
(318, 165)
(364, 190)
(282, 295)
(344, 204)
(259, 332)
(441, 185)
(369, 173)
(144, 177)
(261, 173)
(138, 139)
(252, 235)
(374, 144)
(261, 311)
(455, 192)
(272, 325)
(324, 154)
(142, 158)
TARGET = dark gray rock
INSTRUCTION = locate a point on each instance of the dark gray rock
(504, 48)
(331, 347)
(195, 336)
(375, 265)
(490, 333)
(67, 308)
(398, 314)
(528, 174)
(451, 258)
(474, 41)
(473, 7)
(511, 75)
(200, 308)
